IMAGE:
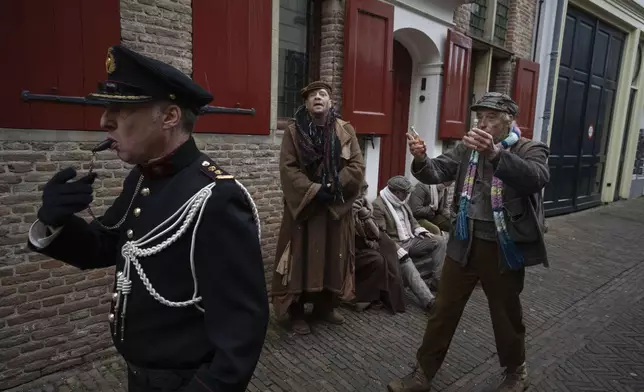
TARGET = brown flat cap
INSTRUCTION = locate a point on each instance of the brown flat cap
(315, 86)
(497, 101)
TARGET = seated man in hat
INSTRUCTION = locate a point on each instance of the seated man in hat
(321, 170)
(498, 232)
(190, 309)
(415, 243)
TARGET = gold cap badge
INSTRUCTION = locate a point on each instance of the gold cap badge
(110, 63)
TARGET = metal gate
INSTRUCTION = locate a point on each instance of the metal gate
(588, 72)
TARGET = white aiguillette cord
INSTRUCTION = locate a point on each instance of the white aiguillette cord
(132, 251)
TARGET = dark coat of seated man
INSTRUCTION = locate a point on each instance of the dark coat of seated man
(428, 203)
(377, 271)
(415, 243)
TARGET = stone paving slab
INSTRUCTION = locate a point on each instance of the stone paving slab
(584, 318)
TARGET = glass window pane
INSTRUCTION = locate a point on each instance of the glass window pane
(478, 13)
(293, 56)
(501, 22)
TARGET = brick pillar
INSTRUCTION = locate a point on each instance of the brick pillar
(332, 47)
(521, 21)
(462, 18)
(504, 77)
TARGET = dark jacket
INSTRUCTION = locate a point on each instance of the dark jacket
(420, 201)
(225, 342)
(524, 171)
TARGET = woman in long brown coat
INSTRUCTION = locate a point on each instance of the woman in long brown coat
(321, 170)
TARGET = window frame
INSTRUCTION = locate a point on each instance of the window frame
(313, 44)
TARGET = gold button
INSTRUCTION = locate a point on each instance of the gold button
(111, 317)
(137, 211)
(145, 191)
(130, 233)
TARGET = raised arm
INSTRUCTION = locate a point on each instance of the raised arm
(59, 234)
(440, 169)
(526, 174)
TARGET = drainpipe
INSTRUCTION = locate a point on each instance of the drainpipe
(536, 33)
(554, 55)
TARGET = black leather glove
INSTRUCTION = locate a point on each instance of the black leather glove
(62, 199)
(324, 194)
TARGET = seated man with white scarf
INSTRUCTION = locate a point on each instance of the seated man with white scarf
(415, 243)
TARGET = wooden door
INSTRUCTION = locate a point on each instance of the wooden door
(588, 73)
(393, 147)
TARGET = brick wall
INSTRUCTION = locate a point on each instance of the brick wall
(462, 18)
(54, 316)
(521, 22)
(332, 47)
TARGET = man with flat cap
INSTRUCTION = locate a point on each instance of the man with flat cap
(321, 172)
(190, 309)
(419, 251)
(498, 231)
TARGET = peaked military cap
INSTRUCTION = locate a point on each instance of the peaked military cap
(135, 78)
(317, 85)
(497, 101)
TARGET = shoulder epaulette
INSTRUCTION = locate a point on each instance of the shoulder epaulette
(214, 172)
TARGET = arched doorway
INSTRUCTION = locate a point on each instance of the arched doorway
(393, 148)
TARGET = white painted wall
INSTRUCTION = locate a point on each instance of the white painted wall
(544, 51)
(422, 28)
(372, 163)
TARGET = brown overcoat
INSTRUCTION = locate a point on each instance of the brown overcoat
(316, 244)
(523, 168)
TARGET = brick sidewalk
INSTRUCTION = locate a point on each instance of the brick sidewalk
(584, 315)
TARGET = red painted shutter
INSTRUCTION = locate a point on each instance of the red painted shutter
(368, 55)
(56, 47)
(101, 29)
(526, 86)
(232, 59)
(456, 76)
(15, 114)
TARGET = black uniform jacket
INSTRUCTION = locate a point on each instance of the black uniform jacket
(224, 343)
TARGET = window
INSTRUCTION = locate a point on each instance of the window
(294, 51)
(54, 48)
(478, 17)
(232, 58)
(501, 22)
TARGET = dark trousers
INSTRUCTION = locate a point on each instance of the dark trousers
(323, 302)
(156, 380)
(457, 283)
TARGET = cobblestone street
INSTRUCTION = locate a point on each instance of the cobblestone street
(585, 320)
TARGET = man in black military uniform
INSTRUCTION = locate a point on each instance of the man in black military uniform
(190, 308)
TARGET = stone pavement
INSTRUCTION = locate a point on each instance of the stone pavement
(584, 315)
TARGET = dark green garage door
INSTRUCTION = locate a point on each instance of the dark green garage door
(588, 72)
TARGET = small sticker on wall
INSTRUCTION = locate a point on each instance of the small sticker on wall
(591, 131)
